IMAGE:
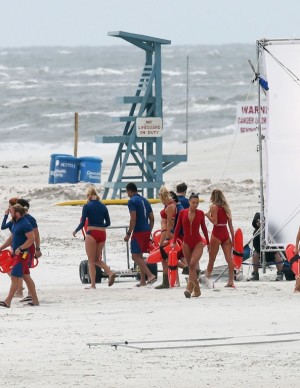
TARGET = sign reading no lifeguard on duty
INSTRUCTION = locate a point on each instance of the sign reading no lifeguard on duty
(149, 126)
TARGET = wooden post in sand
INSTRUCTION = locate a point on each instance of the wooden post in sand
(76, 135)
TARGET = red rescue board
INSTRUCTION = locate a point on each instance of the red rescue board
(155, 256)
(293, 259)
(172, 267)
(238, 249)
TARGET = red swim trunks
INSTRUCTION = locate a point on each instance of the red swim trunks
(20, 266)
(140, 242)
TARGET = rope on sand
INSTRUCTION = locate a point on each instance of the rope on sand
(134, 344)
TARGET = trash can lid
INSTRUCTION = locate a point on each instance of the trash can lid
(91, 158)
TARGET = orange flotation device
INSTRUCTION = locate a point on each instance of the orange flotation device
(172, 267)
(156, 237)
(157, 254)
(293, 259)
(151, 247)
(6, 261)
(238, 249)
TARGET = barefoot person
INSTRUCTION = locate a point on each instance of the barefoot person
(191, 219)
(140, 228)
(21, 239)
(98, 220)
(219, 215)
(168, 216)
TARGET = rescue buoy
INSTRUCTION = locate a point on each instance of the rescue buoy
(34, 262)
(151, 247)
(238, 249)
(6, 261)
(156, 255)
(293, 259)
(156, 237)
(172, 267)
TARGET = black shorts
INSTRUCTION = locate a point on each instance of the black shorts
(270, 256)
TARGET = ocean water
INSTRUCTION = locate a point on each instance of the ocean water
(41, 89)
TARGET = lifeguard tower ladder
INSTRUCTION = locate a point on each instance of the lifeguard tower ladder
(140, 159)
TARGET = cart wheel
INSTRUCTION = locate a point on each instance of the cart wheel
(84, 272)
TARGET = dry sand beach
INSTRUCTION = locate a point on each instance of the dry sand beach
(245, 337)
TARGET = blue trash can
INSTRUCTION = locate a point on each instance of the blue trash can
(66, 169)
(52, 167)
(90, 169)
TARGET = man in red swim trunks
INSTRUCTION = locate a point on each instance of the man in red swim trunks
(140, 227)
(21, 239)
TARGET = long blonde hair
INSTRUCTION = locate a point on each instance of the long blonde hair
(91, 192)
(165, 195)
(218, 198)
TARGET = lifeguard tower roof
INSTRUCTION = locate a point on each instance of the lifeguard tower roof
(139, 38)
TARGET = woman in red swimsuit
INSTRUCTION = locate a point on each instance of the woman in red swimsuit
(191, 220)
(98, 220)
(219, 215)
(167, 230)
(167, 215)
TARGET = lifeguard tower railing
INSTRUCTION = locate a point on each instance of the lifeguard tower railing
(140, 159)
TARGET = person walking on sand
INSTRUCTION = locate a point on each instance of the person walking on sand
(21, 239)
(98, 220)
(191, 219)
(219, 214)
(181, 189)
(182, 263)
(8, 225)
(168, 216)
(140, 227)
(34, 250)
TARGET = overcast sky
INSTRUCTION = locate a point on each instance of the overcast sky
(86, 22)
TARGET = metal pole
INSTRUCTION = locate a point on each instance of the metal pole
(76, 135)
(187, 106)
(260, 138)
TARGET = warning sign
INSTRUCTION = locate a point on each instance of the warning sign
(247, 116)
(149, 126)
